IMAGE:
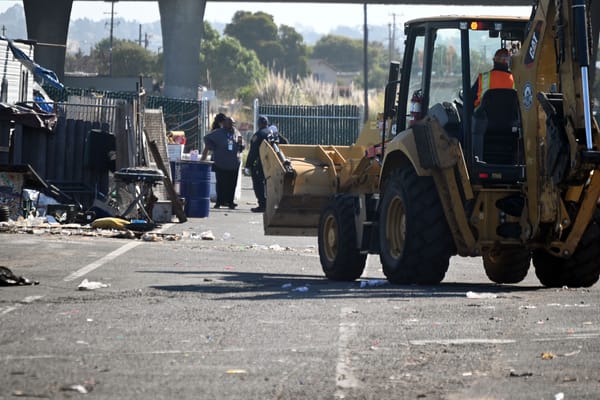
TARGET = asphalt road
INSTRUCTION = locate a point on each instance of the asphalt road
(248, 316)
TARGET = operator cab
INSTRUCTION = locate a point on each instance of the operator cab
(443, 57)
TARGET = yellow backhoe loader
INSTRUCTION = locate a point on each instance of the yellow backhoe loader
(514, 180)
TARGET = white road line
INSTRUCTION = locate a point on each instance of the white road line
(460, 341)
(345, 378)
(109, 257)
(26, 300)
(30, 299)
(97, 264)
(574, 336)
(7, 310)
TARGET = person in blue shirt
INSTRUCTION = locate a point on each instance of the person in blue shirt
(226, 144)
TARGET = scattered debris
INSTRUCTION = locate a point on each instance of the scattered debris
(527, 307)
(276, 247)
(7, 278)
(236, 371)
(119, 224)
(86, 388)
(559, 396)
(476, 295)
(548, 355)
(515, 374)
(207, 235)
(90, 285)
(151, 237)
(372, 283)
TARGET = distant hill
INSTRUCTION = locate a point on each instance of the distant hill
(85, 33)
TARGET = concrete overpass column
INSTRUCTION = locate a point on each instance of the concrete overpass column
(48, 24)
(182, 26)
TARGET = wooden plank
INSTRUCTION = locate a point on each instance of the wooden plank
(177, 206)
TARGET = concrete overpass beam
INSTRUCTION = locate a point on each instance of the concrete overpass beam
(48, 24)
(182, 26)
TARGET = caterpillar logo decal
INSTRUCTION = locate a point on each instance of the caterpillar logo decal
(535, 38)
(528, 96)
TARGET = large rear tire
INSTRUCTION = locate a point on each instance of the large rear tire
(580, 270)
(340, 257)
(508, 265)
(415, 240)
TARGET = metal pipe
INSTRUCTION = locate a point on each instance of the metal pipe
(587, 113)
(581, 38)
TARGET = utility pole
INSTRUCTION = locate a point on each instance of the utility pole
(366, 62)
(112, 23)
(392, 37)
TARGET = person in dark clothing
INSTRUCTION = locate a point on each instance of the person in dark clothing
(499, 77)
(255, 166)
(226, 144)
(218, 121)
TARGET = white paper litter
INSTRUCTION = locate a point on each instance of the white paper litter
(476, 295)
(90, 285)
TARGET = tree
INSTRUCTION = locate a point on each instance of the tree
(128, 58)
(346, 55)
(256, 31)
(79, 62)
(343, 53)
(281, 49)
(225, 65)
(294, 62)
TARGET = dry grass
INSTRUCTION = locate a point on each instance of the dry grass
(277, 89)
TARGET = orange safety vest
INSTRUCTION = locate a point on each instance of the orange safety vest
(494, 79)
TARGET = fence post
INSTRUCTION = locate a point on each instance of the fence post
(255, 116)
(362, 119)
(202, 125)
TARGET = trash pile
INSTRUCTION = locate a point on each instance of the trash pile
(28, 204)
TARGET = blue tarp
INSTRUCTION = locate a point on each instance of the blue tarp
(40, 72)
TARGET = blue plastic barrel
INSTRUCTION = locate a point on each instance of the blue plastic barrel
(194, 186)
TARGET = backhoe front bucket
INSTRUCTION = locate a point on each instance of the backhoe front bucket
(299, 184)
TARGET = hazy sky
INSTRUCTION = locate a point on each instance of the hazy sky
(320, 17)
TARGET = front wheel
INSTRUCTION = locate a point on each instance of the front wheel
(508, 265)
(582, 269)
(340, 256)
(415, 240)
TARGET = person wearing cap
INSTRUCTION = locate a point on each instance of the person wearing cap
(226, 144)
(255, 166)
(499, 77)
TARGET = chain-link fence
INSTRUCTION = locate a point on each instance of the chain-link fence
(180, 114)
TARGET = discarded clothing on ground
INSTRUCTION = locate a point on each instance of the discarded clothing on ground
(7, 278)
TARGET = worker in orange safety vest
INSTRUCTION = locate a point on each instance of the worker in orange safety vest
(499, 77)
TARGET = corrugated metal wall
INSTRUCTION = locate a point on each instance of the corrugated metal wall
(60, 156)
(19, 81)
